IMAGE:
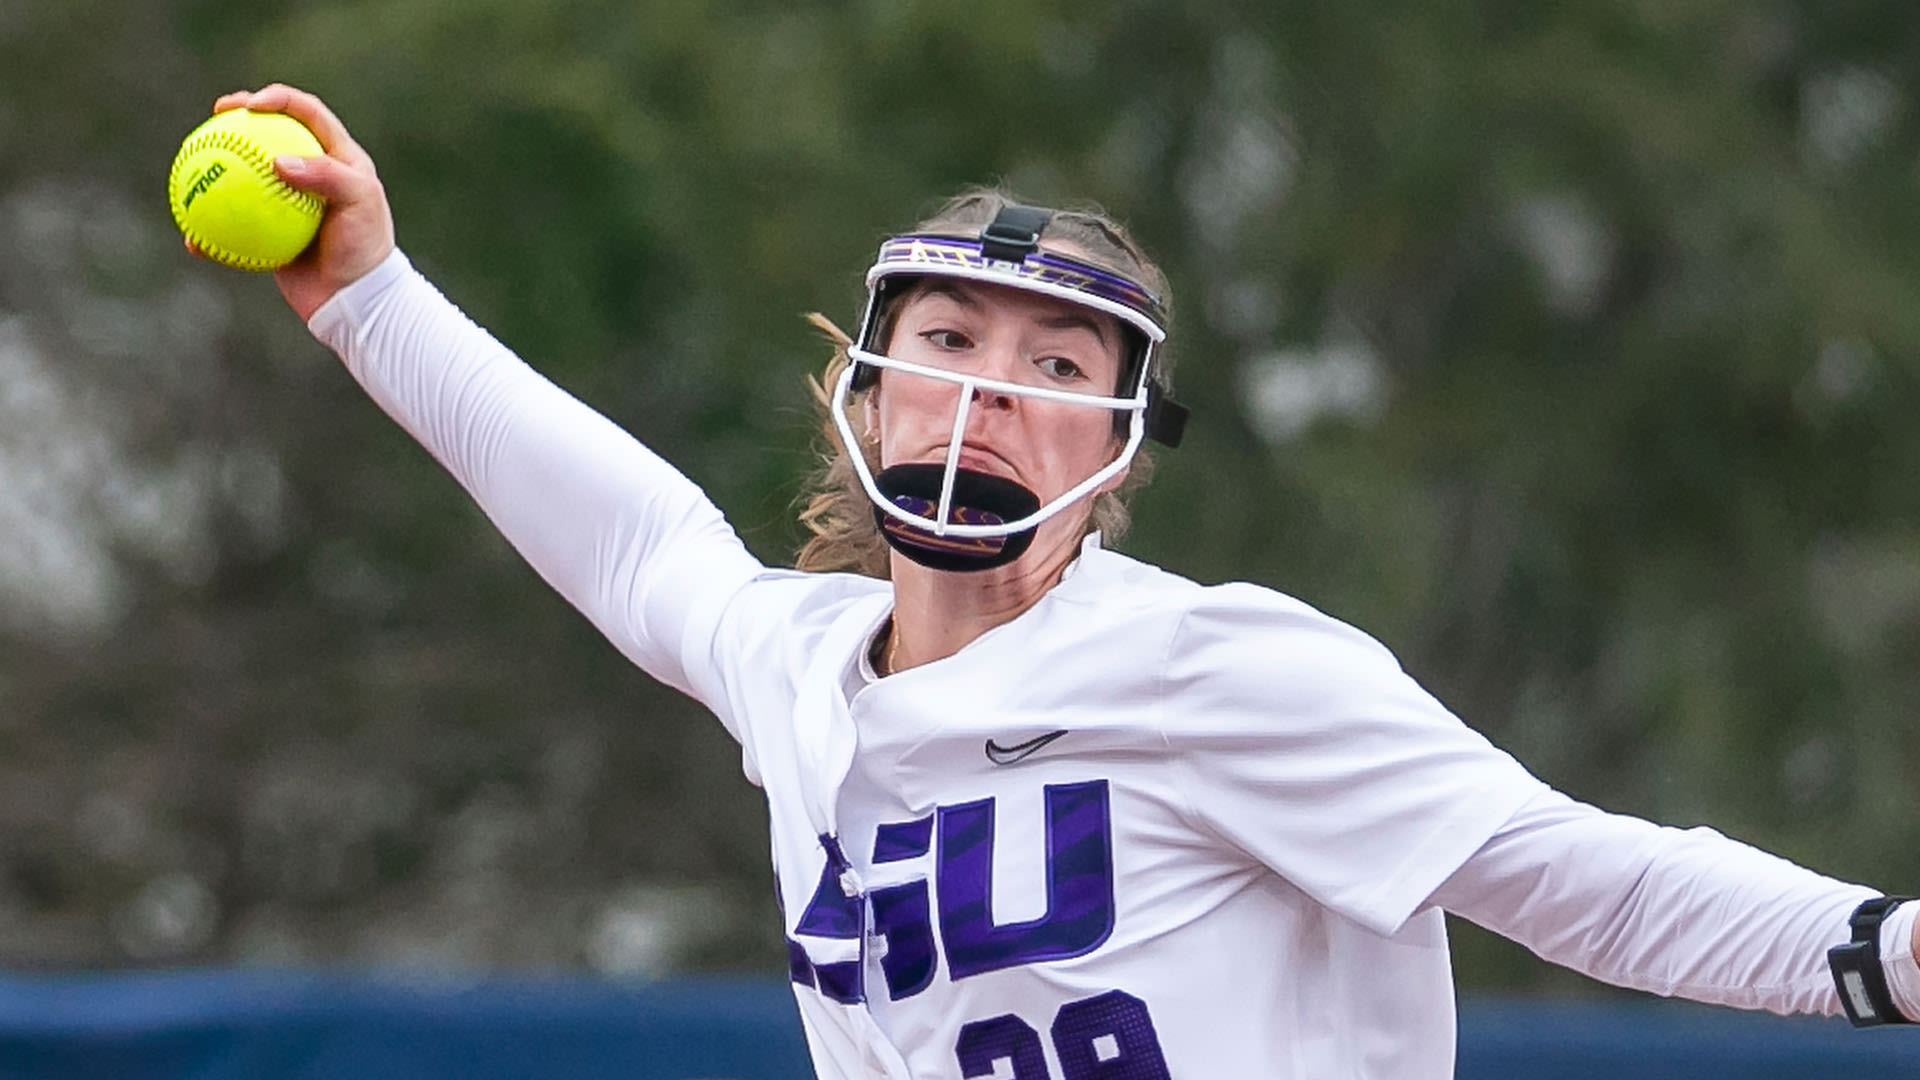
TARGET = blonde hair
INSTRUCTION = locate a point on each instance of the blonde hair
(834, 508)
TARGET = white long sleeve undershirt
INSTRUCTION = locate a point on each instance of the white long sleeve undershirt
(600, 517)
(1684, 912)
(603, 520)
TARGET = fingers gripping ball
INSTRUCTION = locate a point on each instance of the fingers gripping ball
(227, 199)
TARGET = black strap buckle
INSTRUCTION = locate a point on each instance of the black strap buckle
(1857, 973)
(1014, 233)
(1165, 419)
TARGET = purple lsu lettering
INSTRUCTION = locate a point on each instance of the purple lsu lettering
(1107, 1036)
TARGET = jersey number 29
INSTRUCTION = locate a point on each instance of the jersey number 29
(1105, 1037)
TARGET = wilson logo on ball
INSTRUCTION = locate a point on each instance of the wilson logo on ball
(205, 180)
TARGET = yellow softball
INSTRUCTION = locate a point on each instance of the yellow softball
(227, 199)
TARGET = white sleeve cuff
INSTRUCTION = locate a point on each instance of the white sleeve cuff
(1897, 960)
(351, 303)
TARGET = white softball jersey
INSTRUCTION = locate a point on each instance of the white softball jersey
(1146, 829)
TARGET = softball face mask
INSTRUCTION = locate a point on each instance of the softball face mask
(949, 518)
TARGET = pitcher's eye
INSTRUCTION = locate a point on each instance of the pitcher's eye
(1061, 368)
(946, 339)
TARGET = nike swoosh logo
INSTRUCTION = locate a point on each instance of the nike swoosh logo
(1007, 755)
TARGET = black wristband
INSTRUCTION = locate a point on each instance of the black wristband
(1857, 973)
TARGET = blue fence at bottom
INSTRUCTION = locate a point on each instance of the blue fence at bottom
(288, 1026)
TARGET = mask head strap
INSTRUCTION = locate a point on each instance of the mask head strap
(1014, 233)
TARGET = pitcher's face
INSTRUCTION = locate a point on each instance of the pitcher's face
(1013, 336)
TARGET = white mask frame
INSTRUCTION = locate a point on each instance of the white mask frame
(1007, 253)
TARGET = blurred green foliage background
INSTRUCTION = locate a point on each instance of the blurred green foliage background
(1568, 347)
